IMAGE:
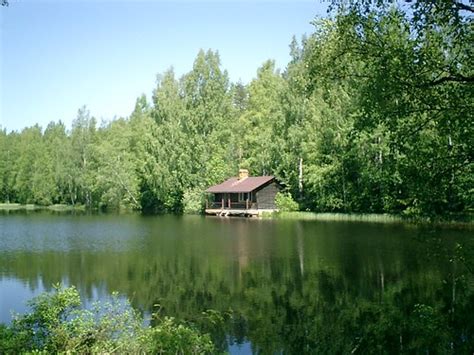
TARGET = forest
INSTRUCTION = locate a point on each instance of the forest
(373, 114)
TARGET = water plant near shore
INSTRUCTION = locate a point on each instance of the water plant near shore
(57, 323)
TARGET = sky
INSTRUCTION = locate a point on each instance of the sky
(58, 55)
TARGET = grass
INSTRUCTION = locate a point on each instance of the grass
(63, 207)
(374, 218)
(11, 206)
(18, 206)
(32, 207)
(467, 223)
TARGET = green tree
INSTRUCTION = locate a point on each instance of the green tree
(8, 154)
(27, 164)
(255, 129)
(117, 182)
(82, 169)
(208, 125)
(416, 87)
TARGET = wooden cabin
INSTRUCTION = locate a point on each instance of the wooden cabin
(243, 195)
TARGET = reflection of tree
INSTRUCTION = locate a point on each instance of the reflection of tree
(292, 289)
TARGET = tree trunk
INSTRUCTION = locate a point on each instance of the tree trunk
(300, 177)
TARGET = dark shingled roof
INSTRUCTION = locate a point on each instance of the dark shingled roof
(245, 185)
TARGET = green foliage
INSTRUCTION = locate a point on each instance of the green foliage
(57, 324)
(254, 132)
(11, 342)
(116, 180)
(193, 201)
(285, 202)
(373, 114)
(174, 338)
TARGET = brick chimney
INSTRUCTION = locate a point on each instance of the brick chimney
(243, 174)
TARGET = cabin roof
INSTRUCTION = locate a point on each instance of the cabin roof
(244, 185)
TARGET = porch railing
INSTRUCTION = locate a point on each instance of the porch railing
(213, 205)
(228, 204)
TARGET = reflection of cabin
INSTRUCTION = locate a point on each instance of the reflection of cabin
(244, 195)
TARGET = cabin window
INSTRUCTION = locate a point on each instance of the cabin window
(253, 197)
(243, 196)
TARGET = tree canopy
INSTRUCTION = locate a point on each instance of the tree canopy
(373, 113)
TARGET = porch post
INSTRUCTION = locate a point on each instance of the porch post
(230, 205)
(247, 204)
(222, 202)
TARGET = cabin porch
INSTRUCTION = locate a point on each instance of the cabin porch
(232, 201)
(242, 196)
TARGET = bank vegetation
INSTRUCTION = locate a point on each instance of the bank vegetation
(373, 114)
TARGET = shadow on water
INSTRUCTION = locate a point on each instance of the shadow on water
(272, 285)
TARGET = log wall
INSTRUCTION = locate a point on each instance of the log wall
(266, 196)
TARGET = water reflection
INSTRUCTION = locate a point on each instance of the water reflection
(14, 295)
(291, 286)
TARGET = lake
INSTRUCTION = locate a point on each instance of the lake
(276, 285)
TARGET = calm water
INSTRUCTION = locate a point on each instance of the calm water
(281, 286)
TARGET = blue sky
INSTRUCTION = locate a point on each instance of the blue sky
(59, 55)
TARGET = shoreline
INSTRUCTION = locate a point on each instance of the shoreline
(33, 207)
(460, 221)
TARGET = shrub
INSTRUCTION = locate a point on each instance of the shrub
(176, 338)
(57, 324)
(285, 202)
(193, 201)
(10, 342)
